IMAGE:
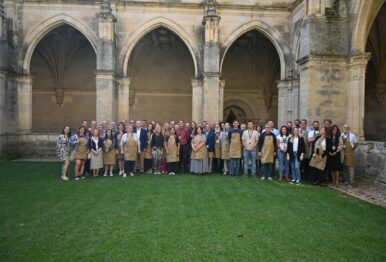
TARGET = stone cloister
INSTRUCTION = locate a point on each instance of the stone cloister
(65, 61)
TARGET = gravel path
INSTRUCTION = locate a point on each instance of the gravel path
(366, 191)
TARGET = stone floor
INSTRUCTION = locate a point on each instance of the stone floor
(367, 191)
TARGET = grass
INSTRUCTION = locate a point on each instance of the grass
(181, 218)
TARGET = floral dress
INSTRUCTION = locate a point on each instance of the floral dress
(63, 149)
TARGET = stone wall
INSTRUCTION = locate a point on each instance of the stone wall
(31, 146)
(371, 162)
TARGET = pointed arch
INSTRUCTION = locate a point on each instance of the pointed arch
(271, 33)
(149, 26)
(37, 33)
(366, 12)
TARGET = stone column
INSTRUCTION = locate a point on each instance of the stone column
(197, 100)
(123, 98)
(2, 20)
(211, 75)
(221, 100)
(24, 104)
(288, 101)
(356, 93)
(105, 75)
(323, 84)
(2, 102)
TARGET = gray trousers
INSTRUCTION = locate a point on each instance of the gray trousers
(348, 174)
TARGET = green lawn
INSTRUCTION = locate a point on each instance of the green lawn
(181, 218)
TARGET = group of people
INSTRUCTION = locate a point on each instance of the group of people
(320, 153)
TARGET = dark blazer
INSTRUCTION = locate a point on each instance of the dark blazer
(157, 141)
(116, 139)
(92, 145)
(301, 149)
(142, 138)
(262, 139)
(330, 143)
(210, 140)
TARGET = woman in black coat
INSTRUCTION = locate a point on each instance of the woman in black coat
(334, 164)
(295, 154)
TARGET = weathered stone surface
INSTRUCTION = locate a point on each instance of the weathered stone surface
(313, 52)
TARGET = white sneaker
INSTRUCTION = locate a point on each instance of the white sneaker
(120, 172)
(131, 174)
(124, 175)
(64, 178)
(111, 174)
(76, 178)
(270, 178)
(105, 174)
(262, 178)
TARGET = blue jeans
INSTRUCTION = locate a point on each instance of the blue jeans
(234, 166)
(283, 163)
(249, 155)
(266, 170)
(295, 164)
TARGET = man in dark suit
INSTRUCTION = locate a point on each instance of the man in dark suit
(142, 135)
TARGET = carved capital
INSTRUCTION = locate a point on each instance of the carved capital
(105, 12)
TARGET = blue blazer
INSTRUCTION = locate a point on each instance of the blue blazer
(142, 138)
(210, 141)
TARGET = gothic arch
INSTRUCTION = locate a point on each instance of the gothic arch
(366, 12)
(147, 27)
(271, 33)
(241, 104)
(37, 33)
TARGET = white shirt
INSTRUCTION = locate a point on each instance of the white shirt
(304, 133)
(313, 133)
(296, 144)
(124, 138)
(283, 142)
(352, 138)
(96, 142)
(323, 144)
(250, 137)
(138, 132)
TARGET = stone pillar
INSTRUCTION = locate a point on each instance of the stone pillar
(123, 99)
(197, 100)
(221, 100)
(24, 104)
(105, 75)
(2, 101)
(356, 93)
(211, 75)
(323, 82)
(288, 101)
(2, 21)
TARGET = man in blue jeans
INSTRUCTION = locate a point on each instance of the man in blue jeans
(250, 138)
